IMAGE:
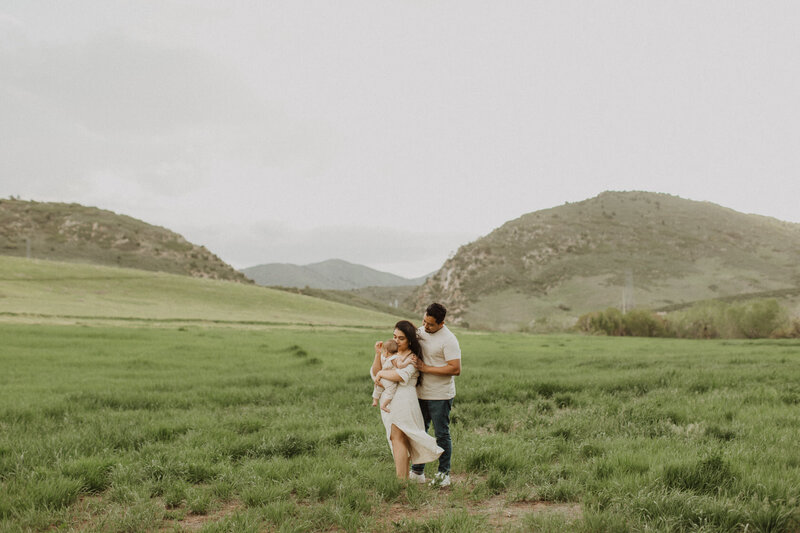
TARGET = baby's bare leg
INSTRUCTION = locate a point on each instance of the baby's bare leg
(385, 404)
(376, 394)
(390, 388)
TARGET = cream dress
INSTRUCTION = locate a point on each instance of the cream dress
(406, 415)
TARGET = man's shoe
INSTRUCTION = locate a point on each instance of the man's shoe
(440, 480)
(416, 478)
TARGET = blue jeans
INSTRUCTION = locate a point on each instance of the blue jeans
(438, 412)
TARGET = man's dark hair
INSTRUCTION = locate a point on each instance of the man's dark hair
(437, 311)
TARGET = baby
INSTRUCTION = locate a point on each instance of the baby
(389, 361)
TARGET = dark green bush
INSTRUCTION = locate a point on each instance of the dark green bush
(643, 323)
(709, 320)
(756, 320)
(637, 323)
(749, 320)
(608, 322)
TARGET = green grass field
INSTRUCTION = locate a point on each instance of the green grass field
(48, 292)
(136, 401)
(262, 428)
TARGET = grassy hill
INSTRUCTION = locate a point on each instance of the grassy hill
(548, 267)
(333, 274)
(48, 291)
(72, 232)
(383, 299)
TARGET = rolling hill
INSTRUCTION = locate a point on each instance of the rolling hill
(331, 274)
(75, 233)
(653, 250)
(34, 290)
(384, 299)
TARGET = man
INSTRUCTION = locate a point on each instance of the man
(442, 362)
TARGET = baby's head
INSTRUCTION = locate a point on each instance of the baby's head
(390, 346)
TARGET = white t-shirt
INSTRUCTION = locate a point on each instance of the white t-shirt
(437, 349)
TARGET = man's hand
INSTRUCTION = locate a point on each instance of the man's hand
(452, 368)
(417, 363)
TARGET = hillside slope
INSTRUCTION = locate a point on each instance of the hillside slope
(652, 249)
(72, 232)
(382, 299)
(331, 274)
(50, 291)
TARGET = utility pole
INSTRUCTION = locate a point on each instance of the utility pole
(627, 292)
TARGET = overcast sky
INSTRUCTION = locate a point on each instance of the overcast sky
(390, 133)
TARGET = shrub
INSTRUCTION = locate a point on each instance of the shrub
(608, 322)
(700, 321)
(637, 323)
(643, 323)
(708, 320)
(751, 320)
(789, 331)
(756, 320)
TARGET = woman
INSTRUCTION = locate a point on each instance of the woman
(405, 429)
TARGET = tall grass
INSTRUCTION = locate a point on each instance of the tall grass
(133, 429)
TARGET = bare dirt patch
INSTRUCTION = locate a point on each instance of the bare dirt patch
(192, 522)
(499, 512)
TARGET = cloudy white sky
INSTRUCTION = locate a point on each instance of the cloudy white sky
(390, 133)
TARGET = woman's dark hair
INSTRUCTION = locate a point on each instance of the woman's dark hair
(413, 341)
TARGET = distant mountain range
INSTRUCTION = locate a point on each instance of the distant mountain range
(72, 232)
(331, 274)
(620, 249)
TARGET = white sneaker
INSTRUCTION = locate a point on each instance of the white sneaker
(440, 480)
(416, 478)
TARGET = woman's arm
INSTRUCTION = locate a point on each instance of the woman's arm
(391, 375)
(376, 366)
(376, 363)
(398, 363)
